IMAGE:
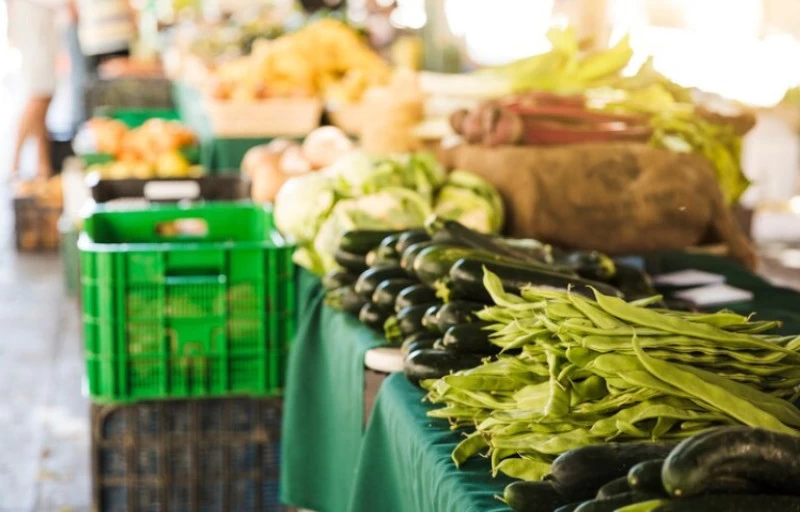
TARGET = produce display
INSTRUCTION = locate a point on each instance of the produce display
(326, 58)
(361, 192)
(156, 149)
(416, 286)
(576, 371)
(570, 96)
(727, 469)
(270, 165)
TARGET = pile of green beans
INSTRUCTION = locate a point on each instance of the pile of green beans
(576, 371)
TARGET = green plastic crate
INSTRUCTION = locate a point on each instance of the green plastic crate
(172, 313)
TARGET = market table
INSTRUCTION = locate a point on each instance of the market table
(217, 154)
(403, 462)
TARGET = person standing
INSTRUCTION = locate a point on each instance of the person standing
(32, 30)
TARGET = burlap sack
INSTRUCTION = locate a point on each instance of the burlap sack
(616, 198)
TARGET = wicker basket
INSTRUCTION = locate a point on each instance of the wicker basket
(284, 117)
(349, 117)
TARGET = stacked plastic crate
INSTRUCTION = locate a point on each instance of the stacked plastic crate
(188, 316)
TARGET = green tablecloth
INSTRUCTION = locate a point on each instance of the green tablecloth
(217, 154)
(405, 462)
(324, 403)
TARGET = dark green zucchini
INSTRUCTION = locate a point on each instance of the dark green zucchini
(418, 341)
(632, 282)
(409, 238)
(350, 262)
(580, 473)
(410, 254)
(375, 259)
(414, 296)
(369, 280)
(374, 316)
(457, 312)
(386, 293)
(438, 345)
(736, 453)
(614, 487)
(434, 364)
(646, 477)
(345, 299)
(362, 241)
(592, 265)
(336, 279)
(459, 234)
(616, 502)
(532, 497)
(405, 323)
(387, 250)
(469, 339)
(732, 503)
(466, 280)
(429, 319)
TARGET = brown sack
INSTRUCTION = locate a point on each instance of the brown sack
(615, 198)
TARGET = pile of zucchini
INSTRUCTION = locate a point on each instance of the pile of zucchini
(726, 469)
(423, 287)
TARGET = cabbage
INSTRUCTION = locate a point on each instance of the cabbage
(351, 173)
(392, 208)
(472, 201)
(302, 204)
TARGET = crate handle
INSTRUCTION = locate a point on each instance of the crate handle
(171, 190)
(182, 228)
(215, 279)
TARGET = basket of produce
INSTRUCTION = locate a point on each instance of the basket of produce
(281, 86)
(212, 454)
(158, 148)
(347, 116)
(37, 208)
(185, 302)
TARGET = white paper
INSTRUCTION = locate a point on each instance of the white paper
(689, 277)
(715, 294)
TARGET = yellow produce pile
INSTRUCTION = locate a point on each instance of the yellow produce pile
(153, 150)
(326, 58)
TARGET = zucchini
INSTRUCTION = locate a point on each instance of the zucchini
(646, 477)
(429, 319)
(407, 322)
(469, 339)
(368, 281)
(374, 316)
(435, 364)
(614, 487)
(580, 473)
(386, 292)
(388, 246)
(592, 265)
(616, 502)
(349, 261)
(457, 312)
(466, 280)
(361, 241)
(375, 259)
(733, 454)
(414, 296)
(345, 299)
(336, 279)
(532, 497)
(418, 341)
(408, 256)
(461, 235)
(438, 345)
(409, 238)
(733, 503)
(634, 283)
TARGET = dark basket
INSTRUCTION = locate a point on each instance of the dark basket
(128, 93)
(187, 455)
(36, 225)
(220, 187)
